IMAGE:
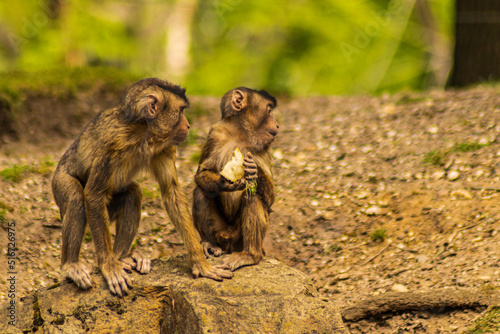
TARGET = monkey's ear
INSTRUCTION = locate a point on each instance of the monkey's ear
(151, 106)
(239, 100)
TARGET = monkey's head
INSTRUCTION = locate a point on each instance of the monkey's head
(160, 106)
(253, 111)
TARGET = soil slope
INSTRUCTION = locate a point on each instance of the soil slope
(375, 194)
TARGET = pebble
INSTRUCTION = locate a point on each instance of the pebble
(373, 211)
(343, 277)
(422, 258)
(453, 175)
(433, 129)
(461, 194)
(278, 154)
(399, 288)
(438, 175)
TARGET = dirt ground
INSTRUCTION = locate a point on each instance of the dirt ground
(375, 194)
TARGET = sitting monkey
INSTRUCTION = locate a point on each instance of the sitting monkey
(228, 218)
(93, 184)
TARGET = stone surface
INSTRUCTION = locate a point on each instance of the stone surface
(267, 298)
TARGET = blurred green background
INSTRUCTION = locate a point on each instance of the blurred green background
(290, 47)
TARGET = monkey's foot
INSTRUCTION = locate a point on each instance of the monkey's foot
(205, 269)
(138, 262)
(237, 260)
(78, 273)
(208, 249)
(118, 280)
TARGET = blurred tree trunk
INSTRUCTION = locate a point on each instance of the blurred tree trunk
(477, 42)
(177, 59)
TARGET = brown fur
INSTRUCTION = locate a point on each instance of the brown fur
(229, 220)
(93, 184)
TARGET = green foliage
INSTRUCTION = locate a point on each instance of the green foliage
(63, 82)
(191, 138)
(88, 237)
(14, 173)
(467, 147)
(195, 158)
(488, 323)
(149, 194)
(435, 157)
(3, 220)
(287, 47)
(378, 235)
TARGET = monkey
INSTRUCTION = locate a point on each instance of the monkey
(229, 219)
(94, 184)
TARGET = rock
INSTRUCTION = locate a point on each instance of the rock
(373, 211)
(433, 129)
(269, 297)
(438, 175)
(453, 175)
(399, 288)
(461, 194)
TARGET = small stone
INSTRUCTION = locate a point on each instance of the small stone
(373, 211)
(343, 277)
(453, 175)
(362, 195)
(433, 129)
(388, 109)
(438, 175)
(278, 154)
(399, 288)
(422, 258)
(461, 194)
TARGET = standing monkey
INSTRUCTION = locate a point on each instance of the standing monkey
(93, 184)
(229, 219)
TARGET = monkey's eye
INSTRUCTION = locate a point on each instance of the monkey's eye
(269, 108)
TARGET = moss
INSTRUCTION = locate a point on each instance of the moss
(435, 157)
(467, 147)
(15, 173)
(488, 323)
(3, 220)
(378, 235)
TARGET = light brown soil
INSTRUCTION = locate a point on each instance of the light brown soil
(344, 167)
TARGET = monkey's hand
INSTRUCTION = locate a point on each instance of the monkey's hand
(78, 273)
(205, 269)
(251, 171)
(138, 262)
(208, 249)
(118, 280)
(226, 185)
